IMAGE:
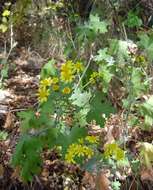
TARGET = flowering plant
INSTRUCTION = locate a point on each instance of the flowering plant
(60, 120)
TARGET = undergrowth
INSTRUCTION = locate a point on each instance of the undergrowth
(99, 56)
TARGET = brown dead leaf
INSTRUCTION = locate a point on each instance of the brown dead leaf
(113, 128)
(1, 170)
(89, 179)
(147, 174)
(16, 173)
(9, 122)
(94, 129)
(102, 181)
(45, 174)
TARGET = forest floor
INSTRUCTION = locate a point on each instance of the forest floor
(18, 94)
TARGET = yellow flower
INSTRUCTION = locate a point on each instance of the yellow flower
(93, 77)
(78, 67)
(92, 139)
(71, 153)
(68, 66)
(55, 87)
(66, 90)
(43, 94)
(113, 150)
(55, 80)
(46, 82)
(77, 150)
(140, 59)
(88, 152)
(70, 158)
(67, 72)
(67, 76)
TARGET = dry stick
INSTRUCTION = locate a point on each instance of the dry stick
(124, 31)
(11, 48)
(12, 43)
(132, 182)
(70, 34)
(86, 68)
(24, 109)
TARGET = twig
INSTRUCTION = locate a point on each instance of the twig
(18, 109)
(124, 31)
(13, 44)
(85, 70)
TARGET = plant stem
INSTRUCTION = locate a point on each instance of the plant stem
(85, 70)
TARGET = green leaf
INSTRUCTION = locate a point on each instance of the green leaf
(103, 56)
(106, 76)
(79, 98)
(48, 69)
(116, 185)
(27, 118)
(146, 110)
(4, 71)
(120, 49)
(135, 165)
(133, 20)
(146, 42)
(3, 135)
(18, 154)
(99, 106)
(64, 140)
(48, 107)
(96, 25)
(136, 80)
(80, 116)
(27, 156)
(50, 136)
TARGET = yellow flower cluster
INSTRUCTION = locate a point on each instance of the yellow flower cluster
(69, 69)
(78, 67)
(55, 80)
(113, 150)
(44, 91)
(67, 74)
(45, 84)
(54, 83)
(93, 77)
(140, 58)
(43, 94)
(78, 150)
(81, 149)
(92, 139)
